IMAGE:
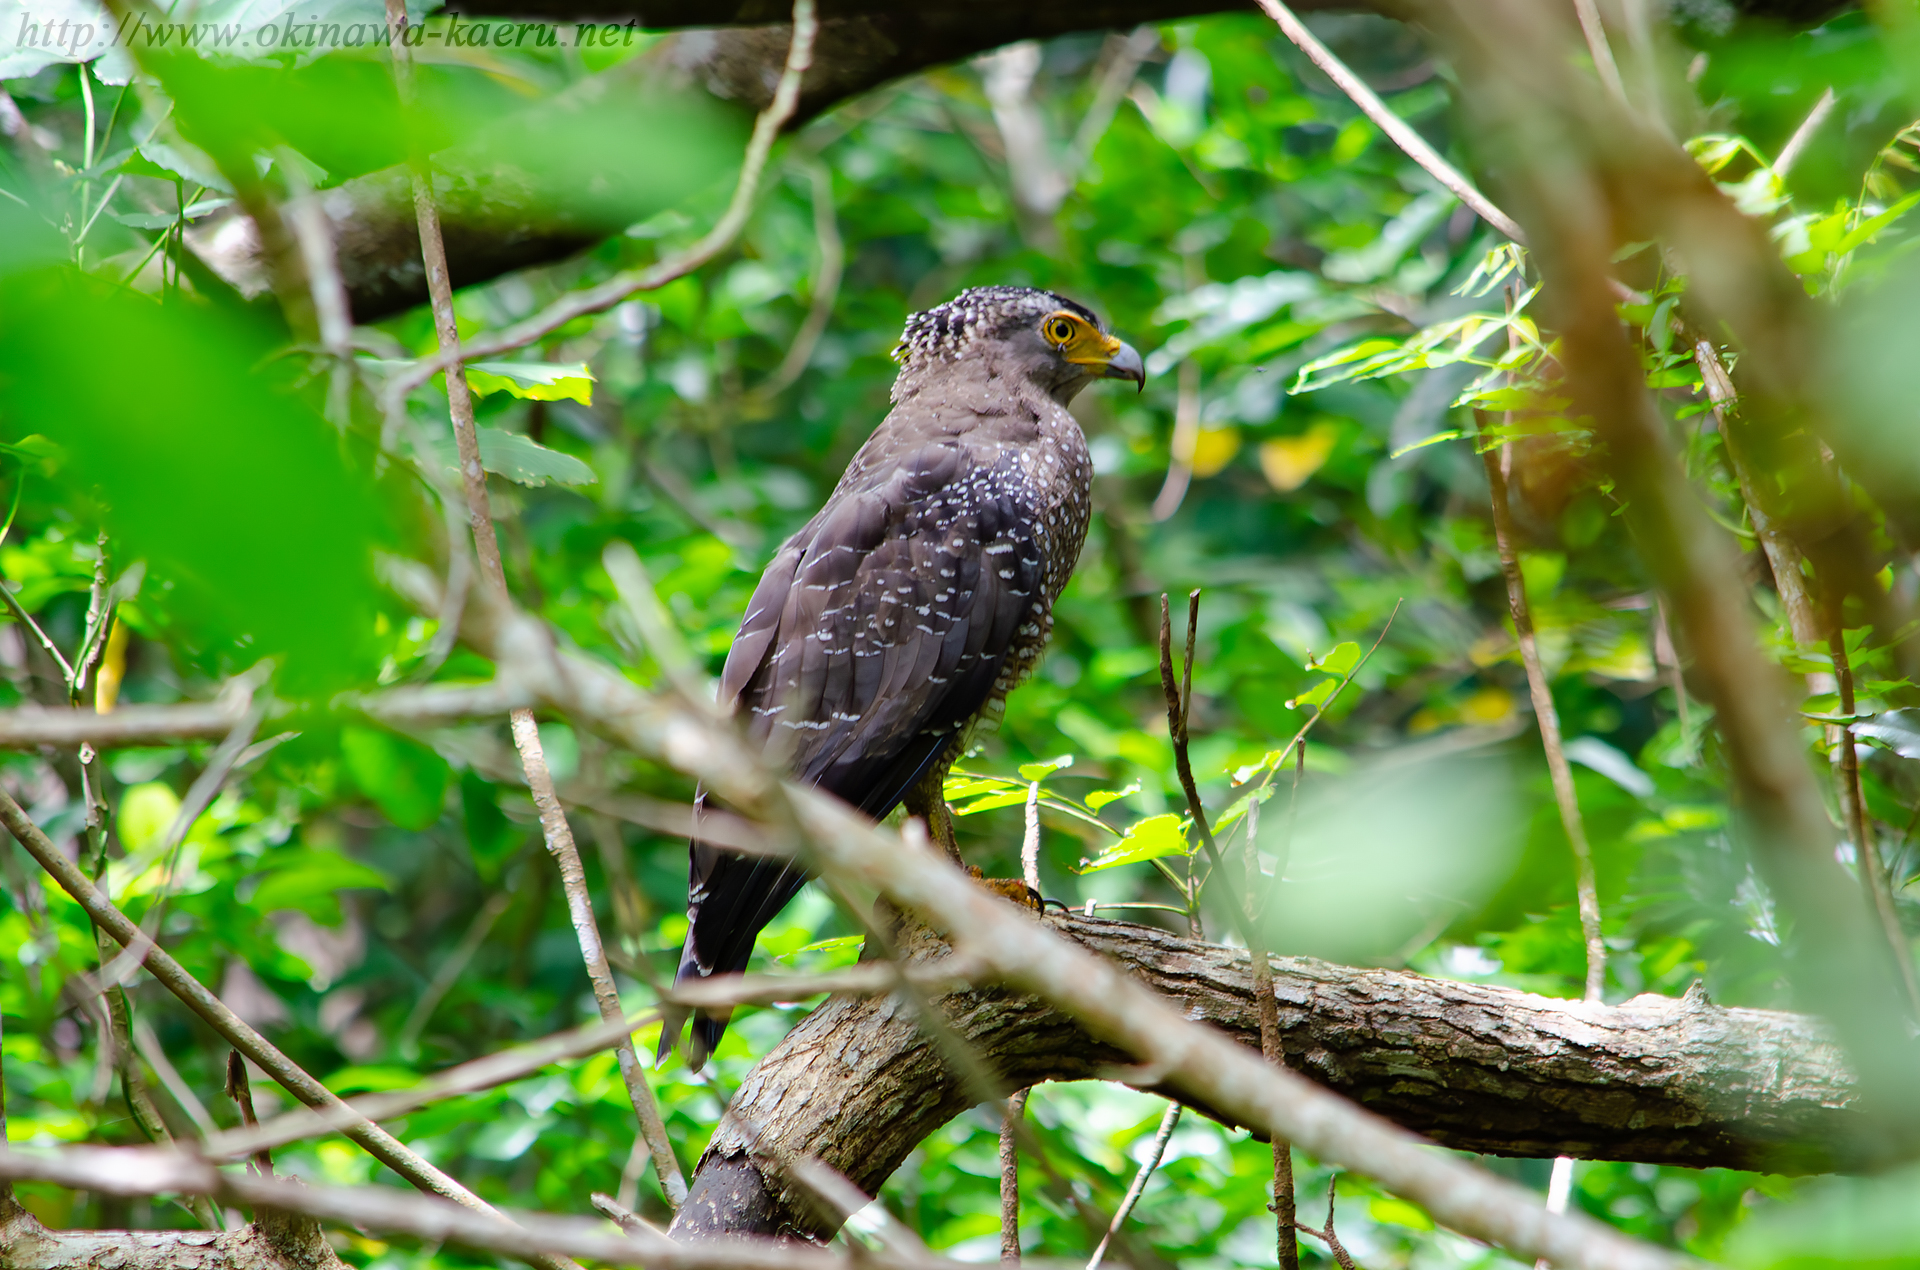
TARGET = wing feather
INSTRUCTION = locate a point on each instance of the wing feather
(877, 634)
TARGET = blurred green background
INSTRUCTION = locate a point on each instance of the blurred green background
(1235, 221)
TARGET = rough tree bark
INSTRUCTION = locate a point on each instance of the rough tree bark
(497, 216)
(276, 1241)
(858, 1084)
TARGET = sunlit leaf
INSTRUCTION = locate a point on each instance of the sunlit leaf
(1340, 660)
(536, 381)
(1314, 695)
(1101, 797)
(1006, 798)
(1040, 771)
(1152, 838)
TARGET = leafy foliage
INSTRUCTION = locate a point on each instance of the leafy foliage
(1335, 323)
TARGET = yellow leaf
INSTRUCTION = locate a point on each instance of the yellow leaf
(1213, 449)
(113, 668)
(1289, 461)
(1488, 706)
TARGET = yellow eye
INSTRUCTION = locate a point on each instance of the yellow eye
(1059, 329)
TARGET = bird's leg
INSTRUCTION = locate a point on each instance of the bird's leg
(927, 800)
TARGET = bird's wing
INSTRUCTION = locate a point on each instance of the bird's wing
(876, 634)
(905, 601)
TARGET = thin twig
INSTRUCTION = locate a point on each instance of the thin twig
(200, 795)
(1268, 1007)
(1181, 446)
(1138, 1187)
(240, 1089)
(622, 1216)
(538, 1238)
(1115, 79)
(573, 881)
(1810, 627)
(1783, 556)
(1030, 840)
(1016, 1110)
(1341, 1257)
(1797, 144)
(1394, 126)
(1853, 803)
(596, 299)
(471, 1077)
(1559, 1191)
(9, 1206)
(30, 727)
(26, 619)
(526, 736)
(826, 281)
(148, 1046)
(1498, 460)
(1603, 64)
(1179, 701)
(1276, 758)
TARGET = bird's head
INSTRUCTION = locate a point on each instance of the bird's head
(1056, 343)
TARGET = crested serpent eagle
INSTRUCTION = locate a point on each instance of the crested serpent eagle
(919, 595)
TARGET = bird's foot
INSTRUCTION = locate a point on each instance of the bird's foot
(1013, 890)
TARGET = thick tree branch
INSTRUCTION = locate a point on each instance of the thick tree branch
(1477, 1067)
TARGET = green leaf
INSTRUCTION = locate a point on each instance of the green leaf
(1006, 798)
(264, 519)
(1040, 771)
(536, 381)
(1341, 661)
(1241, 806)
(823, 945)
(311, 881)
(372, 1080)
(521, 458)
(1152, 838)
(1450, 434)
(1314, 695)
(407, 781)
(1101, 797)
(960, 785)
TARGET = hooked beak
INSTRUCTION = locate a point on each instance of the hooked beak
(1118, 360)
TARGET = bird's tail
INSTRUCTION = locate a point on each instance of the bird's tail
(731, 899)
(709, 1022)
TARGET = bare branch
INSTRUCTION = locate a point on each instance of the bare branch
(1498, 460)
(597, 299)
(382, 1145)
(30, 727)
(1011, 1116)
(1797, 144)
(1139, 1184)
(533, 1237)
(555, 830)
(826, 281)
(1396, 128)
